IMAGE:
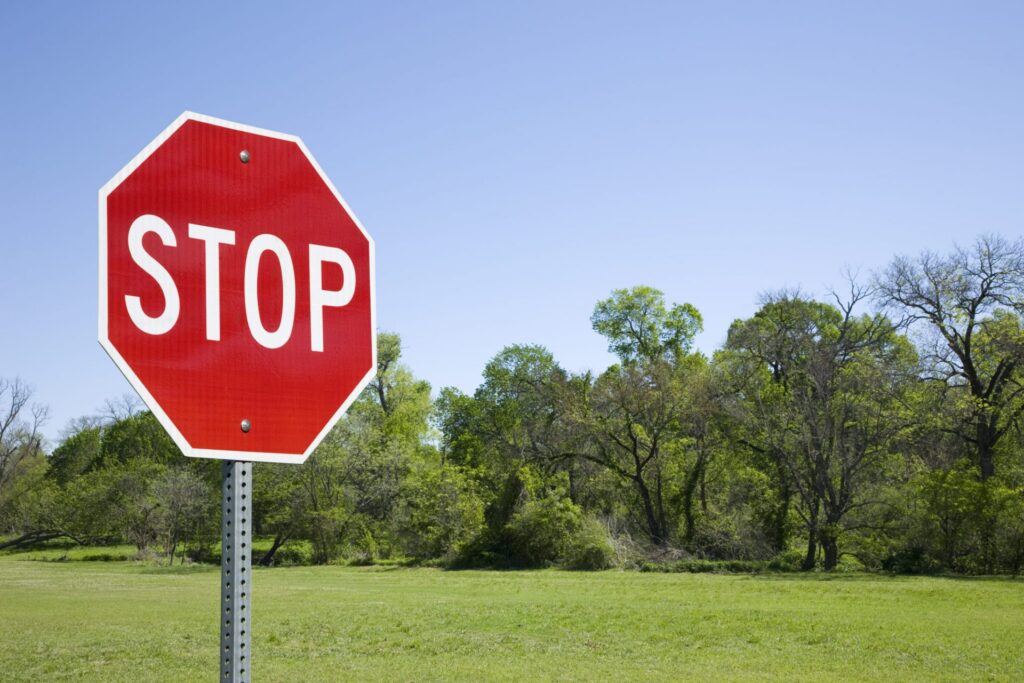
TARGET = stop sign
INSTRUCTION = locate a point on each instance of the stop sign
(236, 290)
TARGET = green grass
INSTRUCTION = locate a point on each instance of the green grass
(120, 621)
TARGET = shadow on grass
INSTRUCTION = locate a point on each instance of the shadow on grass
(879, 576)
(181, 569)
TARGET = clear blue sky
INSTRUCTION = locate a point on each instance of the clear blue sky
(515, 162)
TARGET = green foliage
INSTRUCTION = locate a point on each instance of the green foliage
(439, 513)
(590, 548)
(961, 523)
(816, 437)
(137, 437)
(77, 454)
(187, 511)
(824, 402)
(707, 567)
(31, 501)
(457, 417)
(539, 526)
(912, 560)
(639, 326)
(542, 529)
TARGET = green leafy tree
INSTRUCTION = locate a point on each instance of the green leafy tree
(636, 418)
(343, 500)
(826, 395)
(280, 506)
(516, 417)
(78, 453)
(640, 326)
(137, 437)
(440, 511)
(186, 509)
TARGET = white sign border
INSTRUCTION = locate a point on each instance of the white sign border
(122, 365)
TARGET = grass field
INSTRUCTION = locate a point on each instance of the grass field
(120, 621)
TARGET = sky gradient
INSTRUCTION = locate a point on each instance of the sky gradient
(516, 162)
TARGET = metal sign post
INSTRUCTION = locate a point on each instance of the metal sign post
(236, 572)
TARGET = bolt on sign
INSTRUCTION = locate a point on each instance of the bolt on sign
(236, 290)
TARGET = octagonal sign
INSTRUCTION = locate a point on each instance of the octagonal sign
(236, 290)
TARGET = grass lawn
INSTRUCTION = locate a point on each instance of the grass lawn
(120, 621)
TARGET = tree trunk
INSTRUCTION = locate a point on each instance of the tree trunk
(268, 557)
(812, 552)
(831, 546)
(780, 535)
(172, 547)
(703, 489)
(660, 507)
(986, 452)
(780, 520)
(655, 533)
(33, 537)
(689, 489)
(812, 540)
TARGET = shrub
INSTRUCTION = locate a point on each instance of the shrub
(911, 560)
(534, 523)
(439, 513)
(591, 548)
(707, 567)
(543, 530)
(788, 561)
(293, 554)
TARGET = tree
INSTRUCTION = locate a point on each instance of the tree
(78, 453)
(636, 414)
(280, 505)
(137, 436)
(186, 509)
(20, 425)
(439, 511)
(966, 308)
(519, 405)
(639, 326)
(344, 498)
(704, 431)
(826, 396)
(515, 418)
(635, 425)
(129, 503)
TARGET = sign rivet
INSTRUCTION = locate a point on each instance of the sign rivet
(246, 425)
(244, 156)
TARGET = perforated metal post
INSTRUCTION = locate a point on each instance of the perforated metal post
(236, 572)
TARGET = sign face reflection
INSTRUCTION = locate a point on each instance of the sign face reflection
(236, 290)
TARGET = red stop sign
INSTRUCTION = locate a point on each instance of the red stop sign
(236, 290)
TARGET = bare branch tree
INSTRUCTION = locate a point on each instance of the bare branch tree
(966, 310)
(121, 408)
(20, 425)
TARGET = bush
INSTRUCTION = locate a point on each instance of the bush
(591, 549)
(911, 560)
(543, 530)
(789, 561)
(959, 523)
(293, 554)
(536, 524)
(105, 557)
(439, 513)
(707, 567)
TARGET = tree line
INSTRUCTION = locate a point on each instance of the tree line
(878, 427)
